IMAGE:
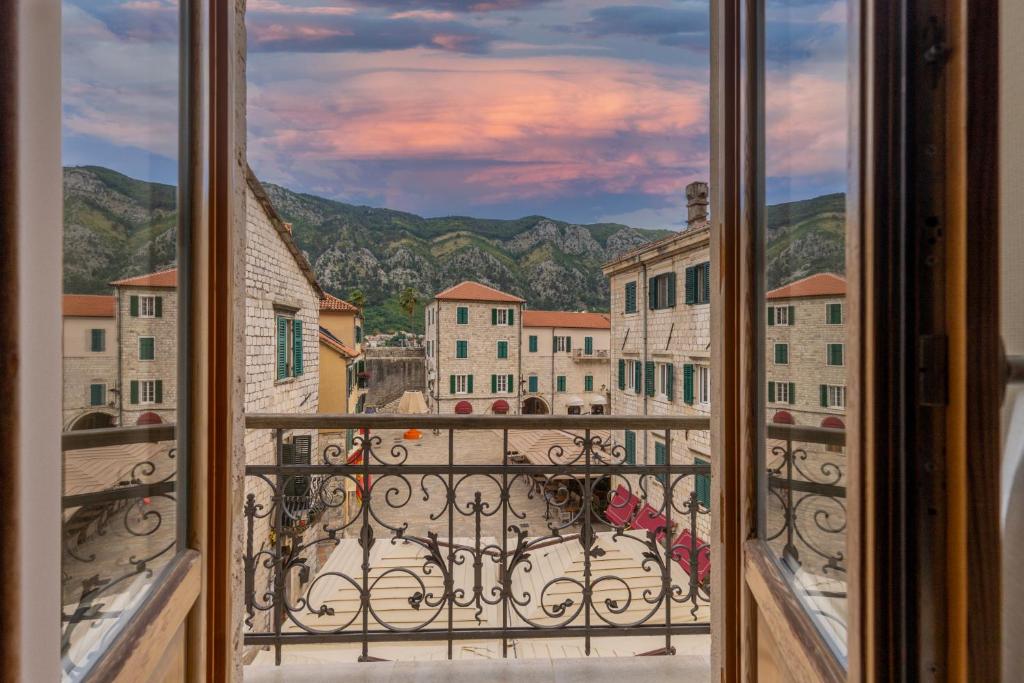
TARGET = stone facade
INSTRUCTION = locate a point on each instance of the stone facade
(570, 361)
(393, 371)
(85, 366)
(666, 335)
(471, 376)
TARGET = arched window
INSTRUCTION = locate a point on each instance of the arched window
(783, 417)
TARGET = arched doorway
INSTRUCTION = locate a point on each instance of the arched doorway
(535, 406)
(93, 421)
(149, 418)
(783, 417)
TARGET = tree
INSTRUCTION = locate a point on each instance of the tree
(357, 299)
(407, 301)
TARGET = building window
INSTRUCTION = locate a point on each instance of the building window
(560, 383)
(359, 334)
(703, 384)
(532, 384)
(698, 283)
(781, 315)
(462, 348)
(834, 354)
(666, 380)
(502, 316)
(533, 343)
(503, 349)
(782, 354)
(97, 394)
(588, 346)
(661, 292)
(562, 344)
(833, 396)
(702, 484)
(461, 384)
(588, 383)
(462, 315)
(630, 296)
(782, 392)
(833, 314)
(630, 447)
(660, 458)
(575, 410)
(147, 307)
(97, 340)
(147, 348)
(289, 347)
(501, 384)
(148, 391)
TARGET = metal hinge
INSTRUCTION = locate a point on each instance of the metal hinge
(937, 53)
(933, 370)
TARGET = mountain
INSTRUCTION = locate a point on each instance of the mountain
(116, 226)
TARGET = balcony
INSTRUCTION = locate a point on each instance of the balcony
(596, 354)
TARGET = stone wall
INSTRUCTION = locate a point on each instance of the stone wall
(83, 367)
(392, 372)
(163, 367)
(548, 364)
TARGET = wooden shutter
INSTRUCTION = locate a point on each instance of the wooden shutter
(792, 392)
(568, 344)
(494, 316)
(631, 297)
(511, 316)
(706, 293)
(95, 394)
(622, 373)
(660, 458)
(792, 315)
(588, 345)
(670, 372)
(494, 384)
(469, 384)
(96, 340)
(533, 384)
(771, 316)
(451, 381)
(533, 343)
(282, 348)
(158, 393)
(671, 290)
(133, 306)
(554, 344)
(588, 383)
(771, 392)
(703, 485)
(823, 391)
(630, 447)
(688, 383)
(638, 380)
(134, 394)
(158, 306)
(649, 377)
(652, 293)
(691, 285)
(297, 347)
(511, 384)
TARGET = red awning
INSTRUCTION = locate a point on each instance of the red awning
(149, 419)
(621, 507)
(833, 422)
(463, 408)
(651, 520)
(685, 547)
(499, 407)
(783, 417)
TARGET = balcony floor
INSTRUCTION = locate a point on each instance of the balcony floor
(681, 668)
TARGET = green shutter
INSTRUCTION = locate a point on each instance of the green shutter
(649, 377)
(792, 315)
(560, 383)
(660, 458)
(771, 316)
(691, 285)
(511, 317)
(533, 384)
(98, 339)
(159, 386)
(622, 373)
(588, 345)
(834, 314)
(703, 485)
(671, 290)
(771, 392)
(359, 334)
(638, 379)
(451, 382)
(568, 344)
(670, 372)
(494, 316)
(159, 306)
(533, 343)
(461, 349)
(588, 383)
(652, 293)
(297, 347)
(706, 294)
(823, 395)
(147, 350)
(688, 383)
(503, 349)
(462, 315)
(134, 394)
(494, 384)
(133, 306)
(469, 384)
(835, 354)
(630, 447)
(282, 348)
(95, 394)
(781, 354)
(792, 392)
(631, 297)
(511, 384)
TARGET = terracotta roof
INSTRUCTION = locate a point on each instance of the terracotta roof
(333, 303)
(328, 339)
(161, 278)
(88, 306)
(474, 291)
(819, 284)
(594, 321)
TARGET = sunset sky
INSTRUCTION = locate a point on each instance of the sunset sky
(576, 109)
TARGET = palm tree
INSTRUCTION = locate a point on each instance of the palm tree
(357, 299)
(407, 301)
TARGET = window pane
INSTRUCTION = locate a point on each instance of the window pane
(120, 315)
(802, 500)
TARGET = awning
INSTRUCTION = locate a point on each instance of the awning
(499, 407)
(463, 408)
(597, 400)
(574, 401)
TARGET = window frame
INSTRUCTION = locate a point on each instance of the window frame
(703, 384)
(842, 354)
(461, 349)
(784, 346)
(828, 311)
(464, 381)
(152, 340)
(143, 300)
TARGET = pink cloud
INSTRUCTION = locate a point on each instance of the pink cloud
(806, 124)
(425, 15)
(267, 33)
(273, 6)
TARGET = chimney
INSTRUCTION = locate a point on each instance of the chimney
(288, 226)
(696, 203)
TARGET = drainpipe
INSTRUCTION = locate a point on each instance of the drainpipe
(437, 359)
(643, 367)
(120, 379)
(519, 363)
(552, 371)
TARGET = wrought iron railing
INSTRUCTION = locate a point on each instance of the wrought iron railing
(482, 540)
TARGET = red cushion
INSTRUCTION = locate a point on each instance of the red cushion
(649, 519)
(682, 548)
(621, 507)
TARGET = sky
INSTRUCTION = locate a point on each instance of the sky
(581, 110)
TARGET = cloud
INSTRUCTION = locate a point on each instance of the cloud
(456, 5)
(671, 26)
(807, 123)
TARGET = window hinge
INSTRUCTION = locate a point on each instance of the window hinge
(937, 53)
(932, 369)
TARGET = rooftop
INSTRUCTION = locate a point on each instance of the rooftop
(333, 342)
(595, 321)
(88, 306)
(819, 284)
(333, 303)
(474, 291)
(161, 278)
(696, 235)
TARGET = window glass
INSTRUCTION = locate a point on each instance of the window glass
(803, 487)
(121, 316)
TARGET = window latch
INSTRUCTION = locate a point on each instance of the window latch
(932, 369)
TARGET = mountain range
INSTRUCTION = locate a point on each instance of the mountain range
(116, 226)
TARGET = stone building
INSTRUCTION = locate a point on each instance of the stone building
(342, 389)
(805, 352)
(147, 340)
(90, 398)
(661, 344)
(472, 344)
(565, 364)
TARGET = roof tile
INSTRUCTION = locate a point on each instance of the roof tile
(819, 284)
(333, 303)
(474, 291)
(594, 321)
(161, 278)
(88, 306)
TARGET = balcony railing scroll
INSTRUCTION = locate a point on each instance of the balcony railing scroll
(569, 541)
